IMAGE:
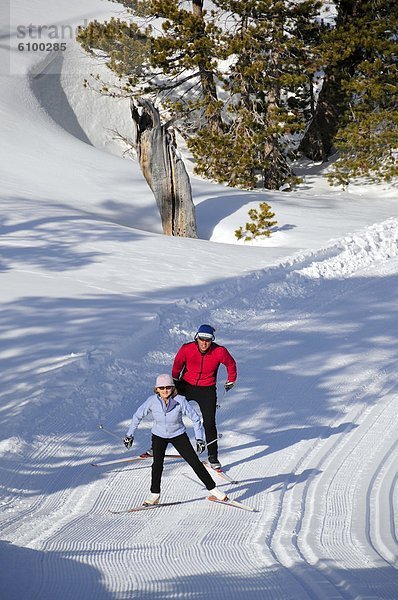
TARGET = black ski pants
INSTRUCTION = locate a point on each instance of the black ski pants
(184, 447)
(206, 397)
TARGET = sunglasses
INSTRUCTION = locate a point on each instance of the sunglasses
(203, 339)
(165, 387)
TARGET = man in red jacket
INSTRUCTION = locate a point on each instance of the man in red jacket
(195, 374)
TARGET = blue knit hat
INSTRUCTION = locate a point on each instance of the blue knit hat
(205, 331)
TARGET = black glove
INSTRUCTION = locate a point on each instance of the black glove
(128, 441)
(228, 385)
(200, 446)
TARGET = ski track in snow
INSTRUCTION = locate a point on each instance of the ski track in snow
(324, 496)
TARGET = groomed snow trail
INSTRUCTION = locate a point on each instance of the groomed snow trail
(310, 433)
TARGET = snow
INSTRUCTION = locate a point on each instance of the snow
(95, 302)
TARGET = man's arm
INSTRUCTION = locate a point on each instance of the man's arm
(178, 364)
(230, 364)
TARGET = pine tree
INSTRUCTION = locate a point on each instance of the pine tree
(244, 138)
(367, 139)
(125, 47)
(177, 66)
(267, 87)
(356, 112)
(186, 54)
(260, 226)
(242, 121)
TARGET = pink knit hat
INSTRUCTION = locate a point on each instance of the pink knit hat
(164, 379)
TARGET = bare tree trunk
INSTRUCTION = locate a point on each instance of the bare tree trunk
(164, 170)
(317, 142)
(207, 81)
(276, 168)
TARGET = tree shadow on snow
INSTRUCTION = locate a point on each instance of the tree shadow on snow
(28, 573)
(285, 438)
(284, 372)
(52, 243)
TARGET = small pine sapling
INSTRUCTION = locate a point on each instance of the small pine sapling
(260, 226)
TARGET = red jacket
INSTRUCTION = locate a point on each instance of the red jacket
(201, 369)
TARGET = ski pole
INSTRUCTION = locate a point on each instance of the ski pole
(216, 440)
(109, 432)
(218, 405)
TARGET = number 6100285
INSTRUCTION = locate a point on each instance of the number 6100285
(41, 46)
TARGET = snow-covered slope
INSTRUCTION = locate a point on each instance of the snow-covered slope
(95, 302)
(310, 433)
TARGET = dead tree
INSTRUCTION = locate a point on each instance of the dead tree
(164, 170)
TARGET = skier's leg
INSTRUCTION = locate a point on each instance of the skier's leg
(182, 444)
(206, 398)
(159, 446)
(207, 402)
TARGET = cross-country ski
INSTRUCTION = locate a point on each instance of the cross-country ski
(230, 502)
(219, 472)
(143, 507)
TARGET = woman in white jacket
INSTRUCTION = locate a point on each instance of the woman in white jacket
(167, 409)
